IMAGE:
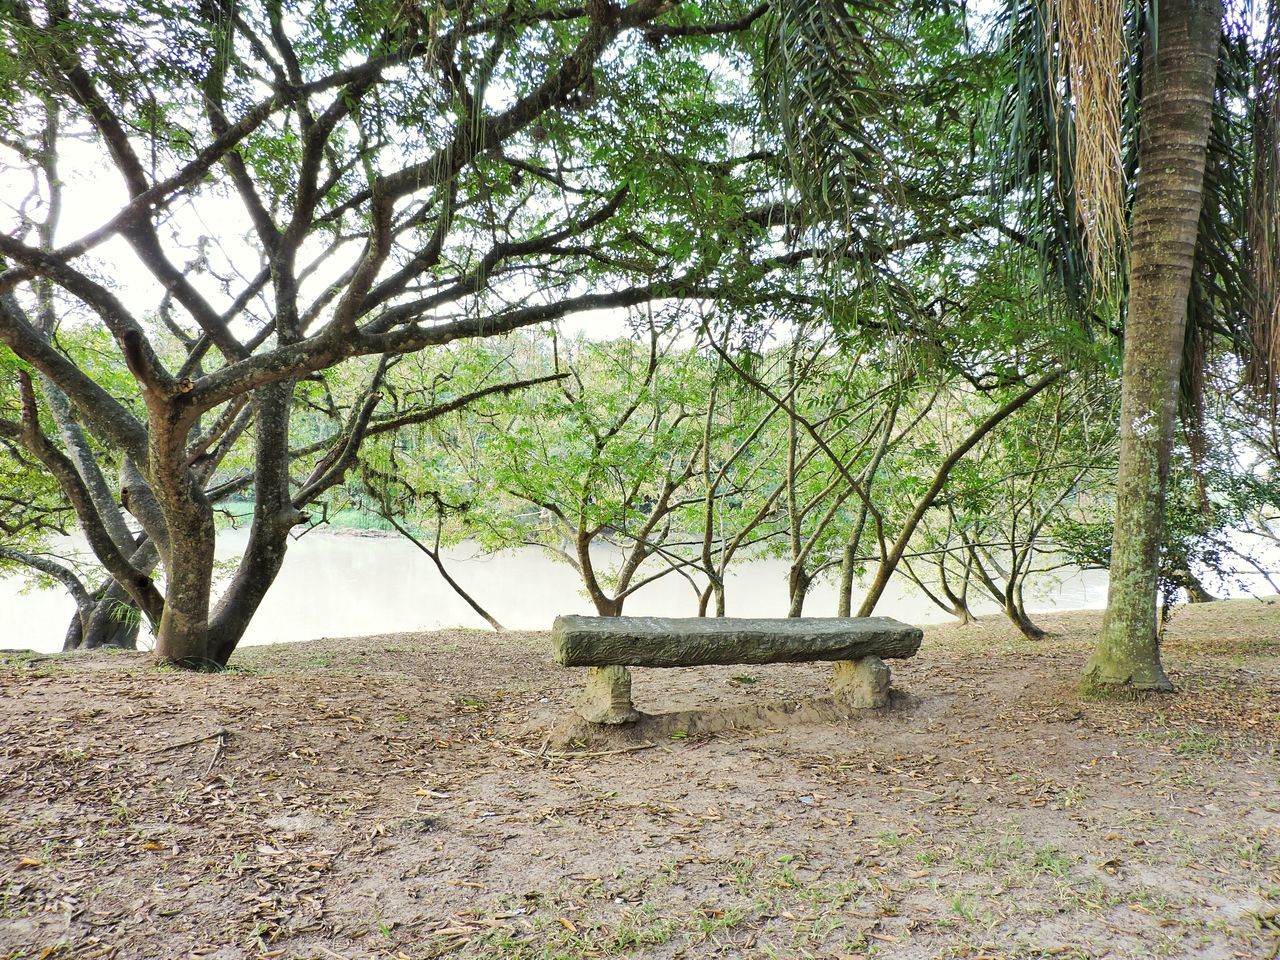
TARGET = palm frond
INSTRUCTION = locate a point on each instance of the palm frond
(826, 83)
(1087, 46)
(1070, 188)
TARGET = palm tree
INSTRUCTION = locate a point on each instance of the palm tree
(1142, 158)
(1173, 147)
(1145, 113)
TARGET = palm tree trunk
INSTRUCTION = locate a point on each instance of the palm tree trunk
(1179, 76)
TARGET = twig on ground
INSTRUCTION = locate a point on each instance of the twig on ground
(217, 752)
(221, 732)
(579, 754)
(545, 754)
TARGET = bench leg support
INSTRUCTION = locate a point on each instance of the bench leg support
(862, 683)
(608, 696)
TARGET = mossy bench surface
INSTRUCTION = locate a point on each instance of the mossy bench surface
(699, 641)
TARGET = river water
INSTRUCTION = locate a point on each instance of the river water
(339, 584)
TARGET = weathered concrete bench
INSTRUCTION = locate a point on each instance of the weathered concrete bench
(608, 646)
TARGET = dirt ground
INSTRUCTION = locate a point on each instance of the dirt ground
(392, 797)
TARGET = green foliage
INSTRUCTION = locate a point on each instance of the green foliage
(605, 453)
(1044, 470)
(1213, 502)
(1034, 177)
(829, 282)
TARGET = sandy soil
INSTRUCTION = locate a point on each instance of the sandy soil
(394, 797)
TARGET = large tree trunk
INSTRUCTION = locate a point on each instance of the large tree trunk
(114, 621)
(274, 516)
(1178, 82)
(183, 634)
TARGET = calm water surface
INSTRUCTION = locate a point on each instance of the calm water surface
(337, 585)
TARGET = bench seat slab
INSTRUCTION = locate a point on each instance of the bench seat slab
(579, 641)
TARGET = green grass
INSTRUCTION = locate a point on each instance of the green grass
(1197, 743)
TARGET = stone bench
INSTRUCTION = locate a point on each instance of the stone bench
(609, 646)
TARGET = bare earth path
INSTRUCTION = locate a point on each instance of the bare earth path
(384, 797)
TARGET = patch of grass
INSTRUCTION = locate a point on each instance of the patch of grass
(1249, 851)
(1179, 777)
(710, 920)
(1157, 901)
(20, 658)
(120, 809)
(1197, 743)
(893, 840)
(823, 927)
(564, 939)
(1053, 862)
(10, 899)
(1008, 849)
(1073, 796)
(742, 875)
(784, 878)
(962, 906)
(1189, 742)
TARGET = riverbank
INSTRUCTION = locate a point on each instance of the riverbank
(337, 585)
(388, 797)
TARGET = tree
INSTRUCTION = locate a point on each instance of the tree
(1118, 205)
(739, 490)
(1177, 102)
(837, 400)
(1004, 505)
(1221, 504)
(407, 476)
(861, 442)
(607, 457)
(1140, 119)
(386, 179)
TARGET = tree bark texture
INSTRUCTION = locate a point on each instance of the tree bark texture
(1178, 89)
